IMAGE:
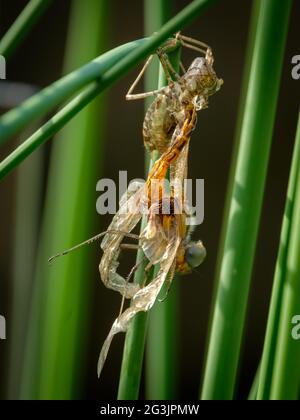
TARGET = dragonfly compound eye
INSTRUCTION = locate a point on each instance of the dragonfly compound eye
(195, 254)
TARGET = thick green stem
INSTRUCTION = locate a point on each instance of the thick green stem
(26, 230)
(161, 368)
(246, 201)
(162, 365)
(55, 354)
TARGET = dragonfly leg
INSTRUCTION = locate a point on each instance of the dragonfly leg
(167, 66)
(130, 246)
(194, 44)
(134, 96)
(182, 67)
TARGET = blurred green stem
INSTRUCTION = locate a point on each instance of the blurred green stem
(280, 372)
(22, 25)
(286, 373)
(55, 354)
(50, 128)
(246, 201)
(162, 364)
(254, 388)
(50, 97)
(26, 227)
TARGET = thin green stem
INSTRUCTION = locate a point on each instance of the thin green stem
(22, 25)
(51, 127)
(158, 349)
(286, 374)
(50, 97)
(162, 364)
(246, 201)
(268, 368)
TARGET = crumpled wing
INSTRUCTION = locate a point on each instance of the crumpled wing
(144, 299)
(153, 239)
(125, 220)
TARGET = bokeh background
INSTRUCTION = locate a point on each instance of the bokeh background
(38, 62)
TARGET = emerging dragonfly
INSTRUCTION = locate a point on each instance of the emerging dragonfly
(165, 239)
(166, 112)
(195, 85)
(132, 209)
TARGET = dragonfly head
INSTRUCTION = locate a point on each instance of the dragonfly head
(195, 254)
(201, 79)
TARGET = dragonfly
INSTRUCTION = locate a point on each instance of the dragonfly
(132, 206)
(140, 199)
(198, 83)
(190, 90)
(166, 112)
(165, 239)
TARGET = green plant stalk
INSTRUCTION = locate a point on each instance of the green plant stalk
(276, 305)
(55, 354)
(254, 388)
(132, 361)
(50, 97)
(133, 353)
(162, 363)
(230, 183)
(242, 102)
(246, 203)
(26, 226)
(286, 375)
(22, 26)
(280, 377)
(156, 13)
(51, 127)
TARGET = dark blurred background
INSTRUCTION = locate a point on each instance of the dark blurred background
(224, 27)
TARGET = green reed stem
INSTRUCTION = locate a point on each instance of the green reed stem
(280, 372)
(162, 364)
(22, 25)
(246, 201)
(56, 350)
(50, 97)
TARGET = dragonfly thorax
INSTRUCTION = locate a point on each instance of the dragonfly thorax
(199, 80)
